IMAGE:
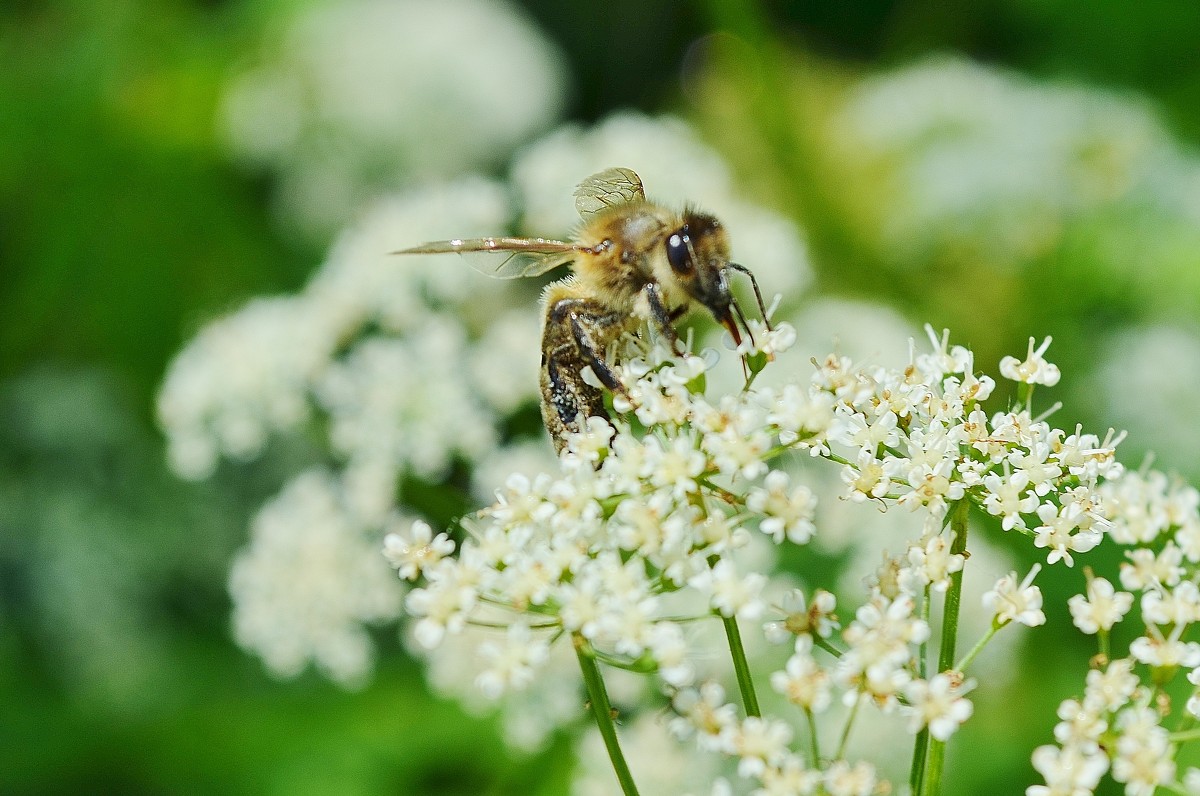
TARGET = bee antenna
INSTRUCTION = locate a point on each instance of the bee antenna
(757, 293)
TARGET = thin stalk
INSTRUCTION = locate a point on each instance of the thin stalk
(923, 649)
(1181, 737)
(602, 710)
(962, 665)
(841, 750)
(921, 744)
(814, 748)
(825, 645)
(920, 753)
(932, 779)
(741, 667)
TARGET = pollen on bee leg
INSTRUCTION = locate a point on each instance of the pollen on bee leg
(590, 378)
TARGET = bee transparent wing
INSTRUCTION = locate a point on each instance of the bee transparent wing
(608, 188)
(504, 258)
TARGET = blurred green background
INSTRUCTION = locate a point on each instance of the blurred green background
(125, 224)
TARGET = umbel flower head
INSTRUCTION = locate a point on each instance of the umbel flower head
(648, 525)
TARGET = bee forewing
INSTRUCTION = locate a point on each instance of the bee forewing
(608, 188)
(526, 257)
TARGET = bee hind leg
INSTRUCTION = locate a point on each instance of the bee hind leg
(575, 336)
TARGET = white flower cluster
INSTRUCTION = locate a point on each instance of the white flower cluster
(876, 668)
(304, 536)
(1004, 167)
(382, 350)
(380, 345)
(643, 532)
(1115, 719)
(600, 551)
(921, 437)
(1116, 728)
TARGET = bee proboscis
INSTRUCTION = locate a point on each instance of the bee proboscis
(633, 261)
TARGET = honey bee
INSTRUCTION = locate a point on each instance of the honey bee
(634, 262)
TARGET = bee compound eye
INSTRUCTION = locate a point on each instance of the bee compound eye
(679, 253)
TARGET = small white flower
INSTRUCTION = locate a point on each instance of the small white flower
(1069, 771)
(1146, 570)
(1034, 370)
(802, 617)
(1060, 532)
(1080, 722)
(412, 552)
(1012, 602)
(803, 682)
(593, 440)
(789, 777)
(1113, 688)
(788, 512)
(1144, 759)
(1102, 608)
(939, 704)
(510, 665)
(760, 742)
(843, 779)
(934, 563)
(1155, 649)
(730, 592)
(704, 712)
(1008, 497)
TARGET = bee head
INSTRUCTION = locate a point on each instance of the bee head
(698, 253)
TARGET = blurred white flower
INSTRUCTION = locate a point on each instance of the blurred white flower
(242, 378)
(358, 97)
(308, 584)
(976, 159)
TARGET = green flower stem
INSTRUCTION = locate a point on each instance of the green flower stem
(1184, 737)
(741, 666)
(931, 784)
(825, 645)
(920, 753)
(841, 750)
(1025, 396)
(923, 649)
(814, 748)
(602, 710)
(970, 656)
